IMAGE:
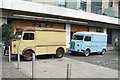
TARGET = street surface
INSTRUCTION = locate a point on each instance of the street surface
(57, 68)
(49, 67)
(109, 60)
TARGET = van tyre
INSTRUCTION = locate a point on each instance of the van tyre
(27, 56)
(87, 53)
(59, 53)
(103, 52)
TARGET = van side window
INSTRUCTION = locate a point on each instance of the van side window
(87, 38)
(28, 36)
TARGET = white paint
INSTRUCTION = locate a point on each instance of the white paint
(7, 4)
(0, 3)
(54, 10)
(104, 30)
(68, 29)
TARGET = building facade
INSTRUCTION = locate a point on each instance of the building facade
(71, 15)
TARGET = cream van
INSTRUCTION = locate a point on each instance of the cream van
(40, 41)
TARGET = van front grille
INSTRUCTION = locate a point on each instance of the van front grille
(72, 45)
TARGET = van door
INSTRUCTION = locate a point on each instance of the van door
(87, 42)
(27, 41)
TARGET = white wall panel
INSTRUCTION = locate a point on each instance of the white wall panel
(68, 29)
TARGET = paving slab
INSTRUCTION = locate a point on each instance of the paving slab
(9, 70)
(57, 68)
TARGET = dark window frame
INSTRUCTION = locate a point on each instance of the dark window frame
(110, 3)
(78, 37)
(88, 38)
(83, 5)
(28, 36)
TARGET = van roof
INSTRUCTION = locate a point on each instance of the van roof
(86, 33)
(42, 29)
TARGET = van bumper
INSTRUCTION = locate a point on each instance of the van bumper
(81, 51)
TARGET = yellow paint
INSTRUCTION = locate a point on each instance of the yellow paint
(49, 41)
(45, 42)
(14, 46)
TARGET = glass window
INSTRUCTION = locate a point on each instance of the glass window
(62, 3)
(28, 36)
(72, 4)
(110, 3)
(18, 35)
(77, 37)
(87, 38)
(83, 5)
(96, 6)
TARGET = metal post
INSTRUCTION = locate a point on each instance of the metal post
(9, 55)
(33, 66)
(68, 71)
(18, 63)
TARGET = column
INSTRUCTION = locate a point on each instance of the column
(3, 20)
(116, 5)
(88, 5)
(105, 30)
(68, 29)
(78, 4)
(105, 5)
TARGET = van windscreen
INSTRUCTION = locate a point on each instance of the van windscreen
(18, 35)
(77, 37)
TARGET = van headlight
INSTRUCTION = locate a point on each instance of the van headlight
(77, 44)
(14, 46)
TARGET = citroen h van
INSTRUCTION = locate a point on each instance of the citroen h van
(88, 42)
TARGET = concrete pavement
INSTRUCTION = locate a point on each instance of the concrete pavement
(11, 71)
(56, 68)
(8, 69)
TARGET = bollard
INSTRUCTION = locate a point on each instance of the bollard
(9, 55)
(68, 71)
(18, 63)
(33, 66)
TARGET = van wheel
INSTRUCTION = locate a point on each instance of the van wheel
(59, 53)
(27, 56)
(87, 53)
(103, 52)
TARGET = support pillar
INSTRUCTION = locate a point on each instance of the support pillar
(68, 29)
(105, 30)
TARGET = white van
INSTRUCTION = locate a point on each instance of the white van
(88, 42)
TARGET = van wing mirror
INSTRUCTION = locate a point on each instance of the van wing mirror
(19, 36)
